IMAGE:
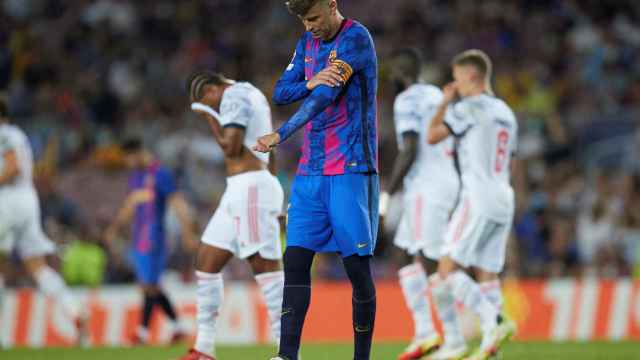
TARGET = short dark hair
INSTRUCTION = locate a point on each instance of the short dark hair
(4, 108)
(409, 60)
(198, 79)
(301, 7)
(131, 145)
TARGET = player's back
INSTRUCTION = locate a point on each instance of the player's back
(486, 150)
(13, 138)
(433, 167)
(245, 106)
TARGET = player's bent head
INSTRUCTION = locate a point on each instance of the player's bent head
(316, 15)
(406, 63)
(473, 66)
(133, 150)
(207, 87)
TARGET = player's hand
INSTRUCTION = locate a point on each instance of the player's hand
(450, 91)
(267, 142)
(330, 76)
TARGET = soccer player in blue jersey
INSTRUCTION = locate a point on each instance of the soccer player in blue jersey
(152, 190)
(334, 200)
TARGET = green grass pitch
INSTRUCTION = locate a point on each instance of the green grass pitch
(519, 350)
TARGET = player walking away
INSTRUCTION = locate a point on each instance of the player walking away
(246, 222)
(431, 186)
(152, 190)
(20, 223)
(334, 201)
(477, 236)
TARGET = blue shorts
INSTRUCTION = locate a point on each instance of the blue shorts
(337, 213)
(148, 266)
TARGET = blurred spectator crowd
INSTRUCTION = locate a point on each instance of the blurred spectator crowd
(82, 75)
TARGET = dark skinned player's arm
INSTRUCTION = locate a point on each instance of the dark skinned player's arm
(403, 161)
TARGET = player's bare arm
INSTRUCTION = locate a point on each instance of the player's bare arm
(267, 142)
(230, 139)
(125, 214)
(438, 131)
(10, 170)
(401, 167)
(181, 208)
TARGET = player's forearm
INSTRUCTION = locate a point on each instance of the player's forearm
(272, 162)
(438, 131)
(401, 168)
(182, 211)
(287, 92)
(321, 97)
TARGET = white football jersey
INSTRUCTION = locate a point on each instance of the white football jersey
(245, 106)
(12, 138)
(434, 166)
(488, 134)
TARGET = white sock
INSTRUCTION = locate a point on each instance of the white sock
(52, 284)
(272, 284)
(467, 291)
(493, 292)
(209, 297)
(443, 298)
(143, 334)
(414, 284)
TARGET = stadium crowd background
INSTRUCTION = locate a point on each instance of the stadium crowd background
(82, 75)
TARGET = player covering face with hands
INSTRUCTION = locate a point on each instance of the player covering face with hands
(476, 239)
(245, 223)
(334, 197)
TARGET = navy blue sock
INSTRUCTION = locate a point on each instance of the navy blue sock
(296, 297)
(147, 309)
(166, 306)
(358, 269)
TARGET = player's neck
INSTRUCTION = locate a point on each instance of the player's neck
(475, 91)
(336, 25)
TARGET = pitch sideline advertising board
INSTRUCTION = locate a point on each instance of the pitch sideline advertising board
(544, 310)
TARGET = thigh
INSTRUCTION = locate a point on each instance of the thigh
(31, 241)
(257, 208)
(308, 224)
(146, 268)
(433, 227)
(403, 238)
(211, 259)
(223, 228)
(489, 253)
(354, 213)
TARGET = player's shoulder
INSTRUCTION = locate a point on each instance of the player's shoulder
(358, 33)
(501, 107)
(240, 92)
(11, 131)
(418, 93)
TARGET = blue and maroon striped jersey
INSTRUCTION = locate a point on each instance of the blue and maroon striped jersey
(340, 123)
(148, 224)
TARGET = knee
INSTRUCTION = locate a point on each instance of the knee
(297, 266)
(358, 269)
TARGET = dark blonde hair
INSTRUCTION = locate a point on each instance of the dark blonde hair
(479, 60)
